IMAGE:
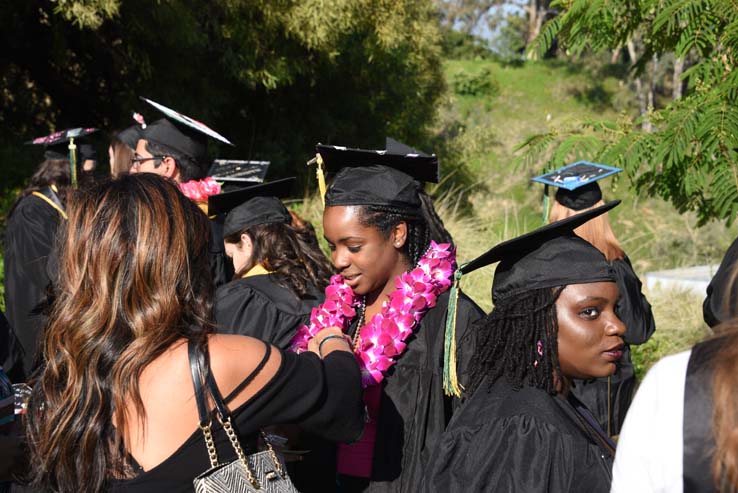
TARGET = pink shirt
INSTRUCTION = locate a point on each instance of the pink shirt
(356, 459)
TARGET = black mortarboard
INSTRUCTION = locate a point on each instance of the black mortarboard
(367, 177)
(549, 256)
(255, 211)
(576, 183)
(87, 151)
(224, 202)
(234, 174)
(421, 166)
(131, 135)
(180, 133)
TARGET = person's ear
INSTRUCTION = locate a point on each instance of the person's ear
(399, 234)
(245, 241)
(170, 168)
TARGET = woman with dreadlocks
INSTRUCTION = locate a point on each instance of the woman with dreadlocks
(395, 261)
(554, 320)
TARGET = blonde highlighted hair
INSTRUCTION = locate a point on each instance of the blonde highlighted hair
(597, 231)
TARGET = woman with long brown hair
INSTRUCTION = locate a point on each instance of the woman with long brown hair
(681, 433)
(609, 398)
(114, 406)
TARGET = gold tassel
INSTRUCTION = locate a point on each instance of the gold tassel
(320, 175)
(73, 162)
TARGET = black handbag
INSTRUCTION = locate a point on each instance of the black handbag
(259, 472)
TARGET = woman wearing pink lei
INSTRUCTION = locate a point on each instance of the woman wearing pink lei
(395, 263)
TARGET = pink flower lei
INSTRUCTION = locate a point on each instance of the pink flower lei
(381, 341)
(200, 190)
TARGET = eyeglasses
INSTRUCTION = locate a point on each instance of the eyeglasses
(137, 160)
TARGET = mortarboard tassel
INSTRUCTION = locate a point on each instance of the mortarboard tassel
(319, 174)
(451, 385)
(73, 162)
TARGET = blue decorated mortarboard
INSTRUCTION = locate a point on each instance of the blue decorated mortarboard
(573, 176)
(577, 183)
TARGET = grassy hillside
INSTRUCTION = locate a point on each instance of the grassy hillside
(534, 98)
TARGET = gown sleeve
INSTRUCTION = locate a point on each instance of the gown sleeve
(722, 285)
(323, 396)
(633, 308)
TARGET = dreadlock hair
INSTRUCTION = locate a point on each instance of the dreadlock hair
(423, 225)
(518, 340)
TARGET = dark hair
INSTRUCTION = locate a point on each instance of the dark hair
(50, 172)
(423, 225)
(189, 169)
(290, 251)
(134, 278)
(507, 342)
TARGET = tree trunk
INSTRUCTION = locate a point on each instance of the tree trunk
(616, 55)
(676, 92)
(640, 93)
(532, 10)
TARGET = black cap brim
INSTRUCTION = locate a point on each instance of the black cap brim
(224, 202)
(533, 239)
(420, 166)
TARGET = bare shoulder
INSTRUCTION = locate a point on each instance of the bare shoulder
(234, 357)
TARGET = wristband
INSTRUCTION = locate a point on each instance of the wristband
(326, 338)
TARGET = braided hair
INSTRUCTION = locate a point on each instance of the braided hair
(423, 225)
(518, 340)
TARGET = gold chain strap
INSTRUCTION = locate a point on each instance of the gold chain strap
(212, 452)
(272, 454)
(241, 456)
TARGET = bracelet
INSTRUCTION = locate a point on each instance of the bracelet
(326, 338)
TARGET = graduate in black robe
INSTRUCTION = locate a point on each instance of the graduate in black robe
(176, 147)
(608, 398)
(379, 222)
(280, 270)
(722, 296)
(554, 319)
(29, 244)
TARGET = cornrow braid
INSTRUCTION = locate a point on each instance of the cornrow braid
(423, 225)
(518, 340)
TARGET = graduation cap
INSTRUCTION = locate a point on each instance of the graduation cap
(180, 132)
(225, 202)
(577, 183)
(234, 174)
(376, 177)
(60, 145)
(131, 135)
(550, 256)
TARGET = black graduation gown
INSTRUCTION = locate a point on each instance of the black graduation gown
(413, 408)
(29, 242)
(503, 440)
(221, 267)
(258, 306)
(715, 309)
(635, 311)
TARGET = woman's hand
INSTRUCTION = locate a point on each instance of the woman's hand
(328, 340)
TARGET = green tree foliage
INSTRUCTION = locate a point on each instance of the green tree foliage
(690, 156)
(275, 76)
